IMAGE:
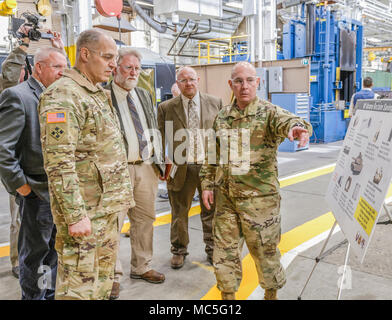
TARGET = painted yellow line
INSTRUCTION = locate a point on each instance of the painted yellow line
(289, 241)
(166, 219)
(4, 251)
(284, 182)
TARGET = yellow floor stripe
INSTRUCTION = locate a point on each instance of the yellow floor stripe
(289, 241)
(306, 176)
(4, 251)
(166, 219)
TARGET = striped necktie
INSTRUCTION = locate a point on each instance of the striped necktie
(138, 126)
(193, 126)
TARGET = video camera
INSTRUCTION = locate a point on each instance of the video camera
(33, 21)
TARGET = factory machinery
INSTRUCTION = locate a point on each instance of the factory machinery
(333, 49)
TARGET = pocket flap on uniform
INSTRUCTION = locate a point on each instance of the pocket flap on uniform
(271, 230)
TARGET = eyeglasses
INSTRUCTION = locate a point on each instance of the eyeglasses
(182, 81)
(240, 82)
(108, 57)
(131, 68)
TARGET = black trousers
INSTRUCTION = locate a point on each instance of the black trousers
(37, 255)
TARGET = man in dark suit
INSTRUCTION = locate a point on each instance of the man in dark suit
(23, 175)
(189, 112)
(145, 160)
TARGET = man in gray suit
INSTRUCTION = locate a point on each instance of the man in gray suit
(23, 174)
(145, 159)
(189, 112)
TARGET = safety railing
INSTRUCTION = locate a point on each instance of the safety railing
(229, 49)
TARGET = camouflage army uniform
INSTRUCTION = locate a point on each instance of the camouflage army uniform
(248, 202)
(84, 157)
(11, 68)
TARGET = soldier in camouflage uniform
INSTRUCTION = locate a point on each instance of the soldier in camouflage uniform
(85, 160)
(247, 191)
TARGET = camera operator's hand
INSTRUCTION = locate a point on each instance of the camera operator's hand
(24, 32)
(57, 42)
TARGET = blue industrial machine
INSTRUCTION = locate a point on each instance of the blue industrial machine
(298, 104)
(334, 51)
(239, 53)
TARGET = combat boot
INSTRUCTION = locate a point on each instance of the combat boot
(271, 294)
(228, 295)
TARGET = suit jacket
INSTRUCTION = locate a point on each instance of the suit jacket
(173, 111)
(146, 102)
(21, 159)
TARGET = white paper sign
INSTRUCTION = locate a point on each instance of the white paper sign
(363, 173)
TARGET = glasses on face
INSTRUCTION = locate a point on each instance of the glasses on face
(131, 68)
(108, 57)
(183, 81)
(240, 82)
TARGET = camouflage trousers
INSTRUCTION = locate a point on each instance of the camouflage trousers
(257, 221)
(86, 265)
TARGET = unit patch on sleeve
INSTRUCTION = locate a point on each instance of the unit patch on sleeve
(55, 117)
(57, 133)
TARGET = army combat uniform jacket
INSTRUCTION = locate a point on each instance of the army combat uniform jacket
(84, 155)
(256, 175)
(245, 178)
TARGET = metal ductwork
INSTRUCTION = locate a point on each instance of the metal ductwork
(157, 26)
(310, 27)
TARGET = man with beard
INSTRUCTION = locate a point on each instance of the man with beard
(145, 161)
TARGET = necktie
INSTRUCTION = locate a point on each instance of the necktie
(138, 126)
(193, 126)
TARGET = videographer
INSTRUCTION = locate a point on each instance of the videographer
(14, 69)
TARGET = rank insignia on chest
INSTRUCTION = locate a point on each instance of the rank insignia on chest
(57, 133)
(55, 117)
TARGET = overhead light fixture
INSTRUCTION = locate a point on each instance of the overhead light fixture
(143, 3)
(234, 4)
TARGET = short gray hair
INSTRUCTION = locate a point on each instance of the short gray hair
(43, 53)
(179, 70)
(122, 52)
(88, 39)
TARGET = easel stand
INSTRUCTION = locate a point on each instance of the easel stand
(319, 257)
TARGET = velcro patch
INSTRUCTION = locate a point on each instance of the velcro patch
(57, 133)
(55, 117)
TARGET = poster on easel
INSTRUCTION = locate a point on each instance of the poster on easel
(363, 172)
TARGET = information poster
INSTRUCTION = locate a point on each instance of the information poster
(363, 172)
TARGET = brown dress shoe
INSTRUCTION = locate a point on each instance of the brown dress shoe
(177, 261)
(115, 294)
(151, 276)
(271, 294)
(228, 295)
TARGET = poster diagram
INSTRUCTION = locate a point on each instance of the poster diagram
(363, 173)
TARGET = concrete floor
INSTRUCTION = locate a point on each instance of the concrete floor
(301, 202)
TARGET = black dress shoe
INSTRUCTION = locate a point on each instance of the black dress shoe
(15, 272)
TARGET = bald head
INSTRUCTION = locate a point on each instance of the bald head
(243, 65)
(244, 82)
